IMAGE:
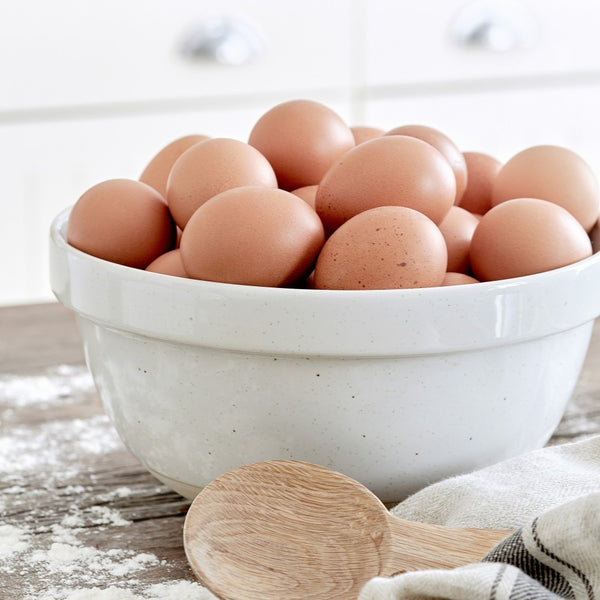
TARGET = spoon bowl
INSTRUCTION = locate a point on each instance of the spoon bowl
(289, 529)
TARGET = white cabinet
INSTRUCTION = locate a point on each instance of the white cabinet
(67, 53)
(91, 90)
(479, 42)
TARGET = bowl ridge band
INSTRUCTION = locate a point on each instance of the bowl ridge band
(323, 322)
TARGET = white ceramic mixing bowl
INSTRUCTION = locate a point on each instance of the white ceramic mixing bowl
(395, 388)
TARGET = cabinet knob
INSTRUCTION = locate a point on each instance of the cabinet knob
(494, 25)
(224, 40)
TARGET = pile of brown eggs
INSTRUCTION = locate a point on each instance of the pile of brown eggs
(312, 202)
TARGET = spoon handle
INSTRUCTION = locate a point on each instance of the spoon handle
(416, 546)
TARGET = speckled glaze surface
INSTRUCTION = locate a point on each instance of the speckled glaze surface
(395, 388)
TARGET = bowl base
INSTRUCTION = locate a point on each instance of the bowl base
(183, 489)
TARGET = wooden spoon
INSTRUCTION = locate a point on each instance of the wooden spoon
(291, 530)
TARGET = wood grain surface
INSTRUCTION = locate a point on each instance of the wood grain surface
(110, 502)
(34, 340)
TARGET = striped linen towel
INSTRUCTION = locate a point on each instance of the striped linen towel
(549, 497)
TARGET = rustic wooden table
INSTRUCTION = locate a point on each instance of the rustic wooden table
(80, 518)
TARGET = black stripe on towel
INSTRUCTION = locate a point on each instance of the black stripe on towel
(497, 581)
(512, 551)
(542, 548)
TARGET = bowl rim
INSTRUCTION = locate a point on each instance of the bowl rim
(505, 311)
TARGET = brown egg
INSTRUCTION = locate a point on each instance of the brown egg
(308, 193)
(253, 236)
(383, 248)
(168, 263)
(301, 139)
(211, 167)
(363, 133)
(458, 279)
(123, 221)
(445, 145)
(392, 170)
(525, 236)
(551, 173)
(595, 237)
(457, 228)
(157, 171)
(482, 171)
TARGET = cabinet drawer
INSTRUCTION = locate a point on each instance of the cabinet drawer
(479, 40)
(68, 53)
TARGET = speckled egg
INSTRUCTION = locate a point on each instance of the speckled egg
(383, 248)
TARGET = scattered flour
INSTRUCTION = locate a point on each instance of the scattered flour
(55, 386)
(176, 590)
(14, 490)
(73, 489)
(47, 552)
(120, 492)
(86, 572)
(13, 540)
(87, 563)
(108, 516)
(55, 447)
